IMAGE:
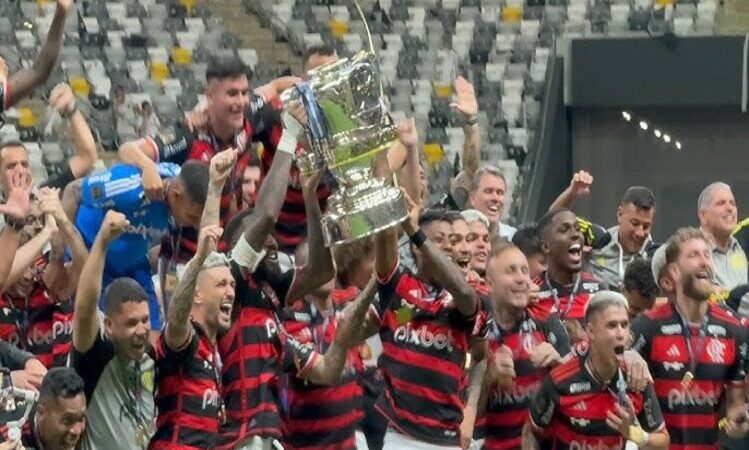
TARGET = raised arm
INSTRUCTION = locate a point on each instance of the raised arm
(465, 103)
(319, 268)
(348, 334)
(178, 327)
(465, 297)
(63, 100)
(249, 250)
(15, 210)
(222, 165)
(408, 175)
(579, 187)
(23, 82)
(62, 278)
(30, 251)
(85, 321)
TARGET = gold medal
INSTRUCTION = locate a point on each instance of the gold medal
(404, 314)
(687, 380)
(171, 282)
(140, 436)
(365, 352)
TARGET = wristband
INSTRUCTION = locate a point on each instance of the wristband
(638, 435)
(246, 256)
(472, 121)
(14, 224)
(70, 114)
(418, 238)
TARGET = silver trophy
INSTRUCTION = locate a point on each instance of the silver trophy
(349, 131)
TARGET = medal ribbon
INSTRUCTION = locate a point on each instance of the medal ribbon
(570, 300)
(694, 353)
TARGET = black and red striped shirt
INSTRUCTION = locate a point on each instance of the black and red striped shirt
(692, 414)
(177, 144)
(188, 396)
(507, 408)
(568, 301)
(570, 408)
(38, 324)
(255, 351)
(425, 340)
(321, 417)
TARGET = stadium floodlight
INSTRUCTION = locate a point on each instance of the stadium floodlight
(678, 145)
(666, 138)
(657, 133)
(626, 116)
(643, 125)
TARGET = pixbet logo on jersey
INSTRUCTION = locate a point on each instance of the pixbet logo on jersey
(423, 337)
(694, 397)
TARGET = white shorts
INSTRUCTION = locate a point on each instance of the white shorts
(397, 441)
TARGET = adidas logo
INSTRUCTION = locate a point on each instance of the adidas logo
(673, 351)
(580, 406)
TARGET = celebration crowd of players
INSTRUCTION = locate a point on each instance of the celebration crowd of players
(169, 302)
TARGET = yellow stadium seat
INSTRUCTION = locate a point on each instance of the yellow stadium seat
(188, 4)
(159, 71)
(512, 14)
(443, 89)
(182, 56)
(433, 153)
(26, 118)
(80, 86)
(664, 2)
(338, 28)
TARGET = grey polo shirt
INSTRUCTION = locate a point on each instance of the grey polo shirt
(610, 262)
(730, 266)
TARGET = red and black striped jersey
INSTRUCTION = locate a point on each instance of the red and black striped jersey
(569, 411)
(425, 341)
(507, 408)
(37, 323)
(188, 396)
(177, 144)
(568, 301)
(255, 351)
(719, 345)
(321, 417)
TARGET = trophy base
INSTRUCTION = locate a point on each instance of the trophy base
(362, 211)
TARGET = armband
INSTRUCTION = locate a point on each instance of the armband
(245, 256)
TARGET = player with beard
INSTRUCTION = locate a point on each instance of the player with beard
(696, 349)
(478, 228)
(564, 287)
(585, 402)
(522, 349)
(426, 322)
(460, 243)
(188, 366)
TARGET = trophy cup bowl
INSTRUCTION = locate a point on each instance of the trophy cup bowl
(349, 132)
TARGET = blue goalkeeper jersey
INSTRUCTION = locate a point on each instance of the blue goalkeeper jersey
(121, 189)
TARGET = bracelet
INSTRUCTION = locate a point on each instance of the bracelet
(418, 238)
(16, 225)
(70, 114)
